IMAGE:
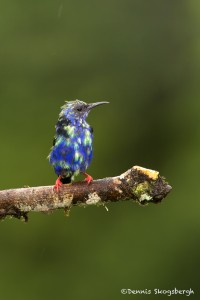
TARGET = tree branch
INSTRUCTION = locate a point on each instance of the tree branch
(138, 184)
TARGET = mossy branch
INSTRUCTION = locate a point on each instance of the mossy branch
(138, 184)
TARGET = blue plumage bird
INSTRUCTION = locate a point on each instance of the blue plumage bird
(72, 146)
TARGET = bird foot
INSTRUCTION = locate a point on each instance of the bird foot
(88, 178)
(58, 184)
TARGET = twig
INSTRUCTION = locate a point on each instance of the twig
(138, 184)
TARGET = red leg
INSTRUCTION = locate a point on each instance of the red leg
(88, 178)
(58, 184)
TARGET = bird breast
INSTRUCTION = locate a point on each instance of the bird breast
(80, 140)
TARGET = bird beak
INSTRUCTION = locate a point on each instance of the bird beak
(92, 105)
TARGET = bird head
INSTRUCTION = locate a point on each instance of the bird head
(77, 110)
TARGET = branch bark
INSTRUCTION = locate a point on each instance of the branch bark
(138, 184)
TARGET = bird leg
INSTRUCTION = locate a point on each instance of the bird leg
(58, 184)
(88, 178)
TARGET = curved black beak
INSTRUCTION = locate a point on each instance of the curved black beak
(92, 105)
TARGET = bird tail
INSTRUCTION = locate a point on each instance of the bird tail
(66, 180)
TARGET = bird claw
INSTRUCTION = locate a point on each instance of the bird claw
(88, 178)
(58, 184)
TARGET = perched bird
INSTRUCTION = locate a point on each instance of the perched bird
(71, 153)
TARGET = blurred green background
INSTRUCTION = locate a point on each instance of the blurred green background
(143, 57)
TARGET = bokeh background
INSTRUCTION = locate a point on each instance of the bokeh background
(143, 57)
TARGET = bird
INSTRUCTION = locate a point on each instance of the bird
(72, 149)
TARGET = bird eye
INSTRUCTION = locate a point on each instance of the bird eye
(79, 109)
